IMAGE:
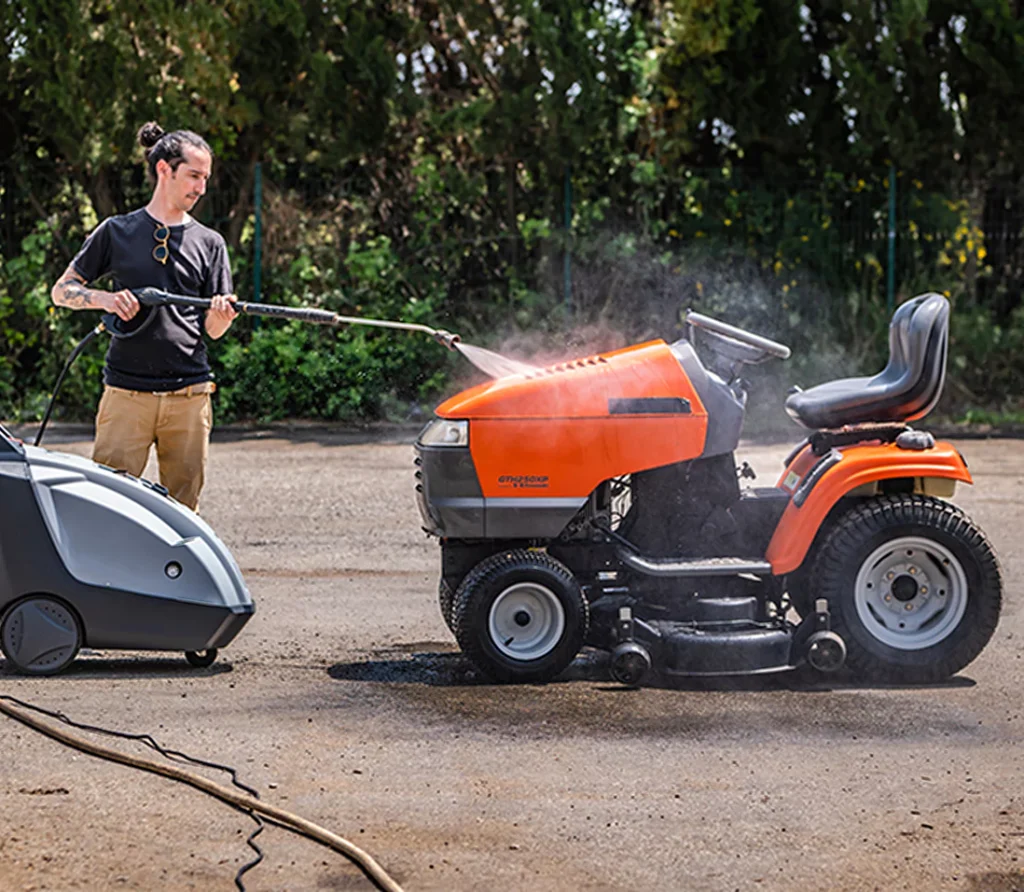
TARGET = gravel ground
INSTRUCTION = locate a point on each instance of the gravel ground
(345, 700)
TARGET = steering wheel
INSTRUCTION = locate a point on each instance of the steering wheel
(735, 343)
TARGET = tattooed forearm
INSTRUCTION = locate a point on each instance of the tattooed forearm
(70, 291)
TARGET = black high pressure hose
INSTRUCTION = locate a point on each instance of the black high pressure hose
(153, 297)
(99, 329)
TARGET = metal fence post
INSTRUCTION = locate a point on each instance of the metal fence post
(891, 271)
(257, 256)
(567, 263)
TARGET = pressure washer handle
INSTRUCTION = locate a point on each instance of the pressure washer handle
(154, 297)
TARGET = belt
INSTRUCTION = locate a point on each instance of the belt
(191, 390)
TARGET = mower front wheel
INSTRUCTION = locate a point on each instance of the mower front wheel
(520, 616)
(445, 600)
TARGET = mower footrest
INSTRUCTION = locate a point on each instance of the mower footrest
(686, 650)
(675, 567)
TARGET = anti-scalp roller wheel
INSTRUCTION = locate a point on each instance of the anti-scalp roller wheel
(40, 636)
(630, 663)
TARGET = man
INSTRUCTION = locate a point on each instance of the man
(157, 379)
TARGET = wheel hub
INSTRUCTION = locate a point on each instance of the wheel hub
(911, 593)
(526, 621)
(904, 588)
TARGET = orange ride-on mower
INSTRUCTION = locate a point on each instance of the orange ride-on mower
(597, 502)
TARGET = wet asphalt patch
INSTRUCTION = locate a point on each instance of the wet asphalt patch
(444, 691)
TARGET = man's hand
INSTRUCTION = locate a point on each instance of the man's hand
(70, 291)
(220, 315)
(220, 307)
(121, 303)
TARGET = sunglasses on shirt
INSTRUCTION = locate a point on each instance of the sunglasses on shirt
(161, 252)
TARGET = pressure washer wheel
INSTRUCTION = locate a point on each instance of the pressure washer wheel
(520, 616)
(913, 587)
(40, 636)
(201, 658)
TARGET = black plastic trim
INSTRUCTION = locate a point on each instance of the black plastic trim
(649, 405)
(816, 473)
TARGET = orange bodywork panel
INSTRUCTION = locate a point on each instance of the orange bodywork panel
(860, 464)
(560, 431)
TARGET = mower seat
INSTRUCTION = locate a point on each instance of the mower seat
(907, 388)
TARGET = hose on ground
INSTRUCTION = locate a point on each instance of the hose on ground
(176, 755)
(293, 822)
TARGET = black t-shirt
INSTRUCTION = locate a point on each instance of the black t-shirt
(165, 350)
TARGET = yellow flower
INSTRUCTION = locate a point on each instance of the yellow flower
(777, 267)
(804, 238)
(785, 289)
(982, 253)
(673, 233)
(727, 221)
(700, 288)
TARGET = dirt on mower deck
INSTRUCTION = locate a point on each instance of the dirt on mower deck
(345, 700)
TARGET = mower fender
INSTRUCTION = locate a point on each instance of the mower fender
(816, 483)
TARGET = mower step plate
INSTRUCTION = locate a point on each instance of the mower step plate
(719, 566)
(687, 650)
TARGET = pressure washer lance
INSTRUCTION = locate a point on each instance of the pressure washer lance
(154, 297)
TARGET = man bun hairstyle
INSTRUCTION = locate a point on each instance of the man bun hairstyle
(170, 147)
(149, 134)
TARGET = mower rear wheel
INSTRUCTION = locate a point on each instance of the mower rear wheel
(520, 616)
(913, 587)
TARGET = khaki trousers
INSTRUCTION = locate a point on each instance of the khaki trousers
(128, 422)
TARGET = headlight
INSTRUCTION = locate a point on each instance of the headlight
(442, 432)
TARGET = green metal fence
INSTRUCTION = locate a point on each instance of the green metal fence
(884, 233)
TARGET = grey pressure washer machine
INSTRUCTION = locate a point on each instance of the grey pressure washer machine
(93, 557)
(90, 557)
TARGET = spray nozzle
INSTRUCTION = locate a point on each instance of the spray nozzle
(446, 338)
